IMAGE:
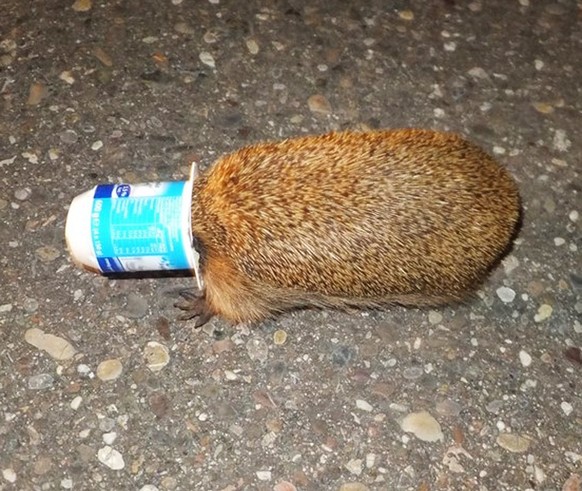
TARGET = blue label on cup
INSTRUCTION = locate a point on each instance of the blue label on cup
(140, 227)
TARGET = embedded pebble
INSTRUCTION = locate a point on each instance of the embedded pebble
(354, 486)
(284, 486)
(422, 425)
(257, 349)
(149, 487)
(318, 104)
(513, 442)
(36, 94)
(184, 28)
(40, 381)
(543, 107)
(478, 72)
(559, 241)
(507, 295)
(561, 141)
(448, 408)
(156, 355)
(406, 14)
(9, 475)
(97, 145)
(109, 437)
(363, 405)
(252, 46)
(109, 369)
(567, 408)
(82, 5)
(30, 305)
(525, 358)
(3, 202)
(47, 254)
(69, 136)
(7, 307)
(435, 317)
(264, 475)
(56, 347)
(136, 306)
(573, 216)
(355, 466)
(510, 263)
(412, 373)
(207, 59)
(22, 194)
(111, 458)
(279, 337)
(544, 312)
(76, 403)
(67, 77)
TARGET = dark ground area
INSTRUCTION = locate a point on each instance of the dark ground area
(122, 396)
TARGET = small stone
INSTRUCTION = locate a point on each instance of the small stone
(544, 312)
(67, 77)
(7, 307)
(525, 358)
(573, 216)
(422, 425)
(257, 349)
(567, 408)
(136, 306)
(478, 72)
(543, 107)
(69, 136)
(561, 142)
(573, 483)
(406, 14)
(412, 373)
(513, 442)
(252, 46)
(494, 406)
(97, 145)
(363, 405)
(9, 475)
(284, 486)
(507, 295)
(109, 438)
(22, 194)
(435, 317)
(354, 486)
(40, 381)
(448, 408)
(47, 254)
(184, 28)
(82, 5)
(509, 264)
(149, 487)
(279, 337)
(36, 94)
(318, 104)
(109, 369)
(76, 403)
(111, 458)
(559, 241)
(156, 355)
(103, 57)
(57, 347)
(42, 465)
(355, 466)
(207, 59)
(264, 475)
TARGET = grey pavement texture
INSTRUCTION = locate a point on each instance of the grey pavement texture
(102, 388)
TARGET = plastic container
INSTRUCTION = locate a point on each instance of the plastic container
(120, 228)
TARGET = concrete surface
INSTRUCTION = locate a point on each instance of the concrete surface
(100, 91)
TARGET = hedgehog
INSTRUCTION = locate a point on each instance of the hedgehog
(348, 220)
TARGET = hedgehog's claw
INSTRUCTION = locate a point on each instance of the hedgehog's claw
(194, 306)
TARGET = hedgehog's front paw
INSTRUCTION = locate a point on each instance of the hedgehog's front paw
(194, 306)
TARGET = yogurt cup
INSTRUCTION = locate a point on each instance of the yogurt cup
(121, 228)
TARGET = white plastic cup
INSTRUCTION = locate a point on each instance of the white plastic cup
(119, 228)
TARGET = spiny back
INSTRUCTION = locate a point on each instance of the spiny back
(359, 214)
